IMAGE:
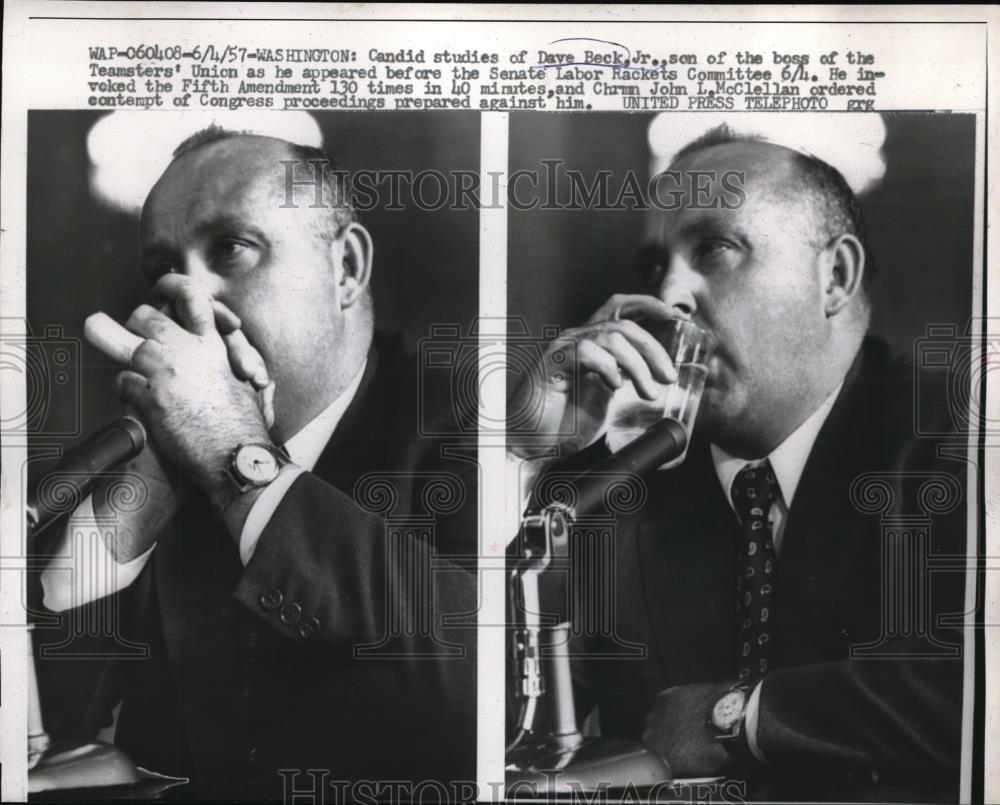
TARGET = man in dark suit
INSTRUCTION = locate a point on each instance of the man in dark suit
(773, 613)
(289, 570)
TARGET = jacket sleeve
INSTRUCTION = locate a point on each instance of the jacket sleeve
(881, 716)
(327, 571)
(897, 709)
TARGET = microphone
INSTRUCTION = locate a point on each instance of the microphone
(659, 444)
(80, 470)
(549, 753)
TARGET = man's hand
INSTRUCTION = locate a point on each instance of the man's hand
(679, 728)
(181, 381)
(583, 368)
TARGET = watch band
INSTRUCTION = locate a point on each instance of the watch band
(737, 746)
(234, 484)
(734, 740)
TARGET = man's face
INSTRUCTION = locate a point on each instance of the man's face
(217, 216)
(750, 276)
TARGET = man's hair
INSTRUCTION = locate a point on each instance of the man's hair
(831, 197)
(337, 190)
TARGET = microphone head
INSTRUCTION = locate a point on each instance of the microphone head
(136, 432)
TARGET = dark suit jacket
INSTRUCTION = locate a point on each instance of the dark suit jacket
(328, 650)
(870, 487)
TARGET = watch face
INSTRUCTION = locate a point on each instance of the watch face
(729, 709)
(255, 463)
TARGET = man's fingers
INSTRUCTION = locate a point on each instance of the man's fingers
(192, 304)
(149, 322)
(618, 314)
(110, 338)
(635, 352)
(592, 358)
(633, 306)
(132, 387)
(267, 405)
(631, 362)
(147, 358)
(193, 308)
(651, 350)
(225, 320)
(246, 362)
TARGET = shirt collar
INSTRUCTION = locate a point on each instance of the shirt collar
(306, 446)
(788, 459)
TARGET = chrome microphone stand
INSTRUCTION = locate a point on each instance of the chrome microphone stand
(549, 754)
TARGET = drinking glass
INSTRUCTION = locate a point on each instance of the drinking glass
(690, 348)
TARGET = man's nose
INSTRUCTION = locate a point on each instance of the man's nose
(678, 286)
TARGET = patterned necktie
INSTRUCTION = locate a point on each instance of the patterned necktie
(754, 490)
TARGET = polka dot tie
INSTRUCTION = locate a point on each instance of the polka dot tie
(754, 490)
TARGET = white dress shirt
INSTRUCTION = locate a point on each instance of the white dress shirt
(788, 460)
(86, 571)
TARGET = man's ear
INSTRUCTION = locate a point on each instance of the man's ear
(356, 264)
(844, 269)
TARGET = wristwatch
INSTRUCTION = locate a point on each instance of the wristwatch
(251, 466)
(729, 720)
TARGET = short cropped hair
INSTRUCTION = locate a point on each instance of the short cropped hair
(835, 203)
(337, 190)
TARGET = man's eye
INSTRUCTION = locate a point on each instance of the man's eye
(649, 265)
(708, 249)
(229, 250)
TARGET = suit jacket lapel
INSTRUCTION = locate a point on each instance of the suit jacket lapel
(817, 546)
(338, 456)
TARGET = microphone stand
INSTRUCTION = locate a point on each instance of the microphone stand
(55, 766)
(549, 755)
(94, 764)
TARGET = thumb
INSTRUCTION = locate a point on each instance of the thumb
(245, 361)
(266, 397)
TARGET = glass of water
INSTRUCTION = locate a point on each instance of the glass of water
(690, 348)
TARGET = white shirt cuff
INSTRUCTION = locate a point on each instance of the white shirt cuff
(750, 722)
(82, 568)
(263, 509)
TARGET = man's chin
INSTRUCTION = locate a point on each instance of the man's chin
(715, 412)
